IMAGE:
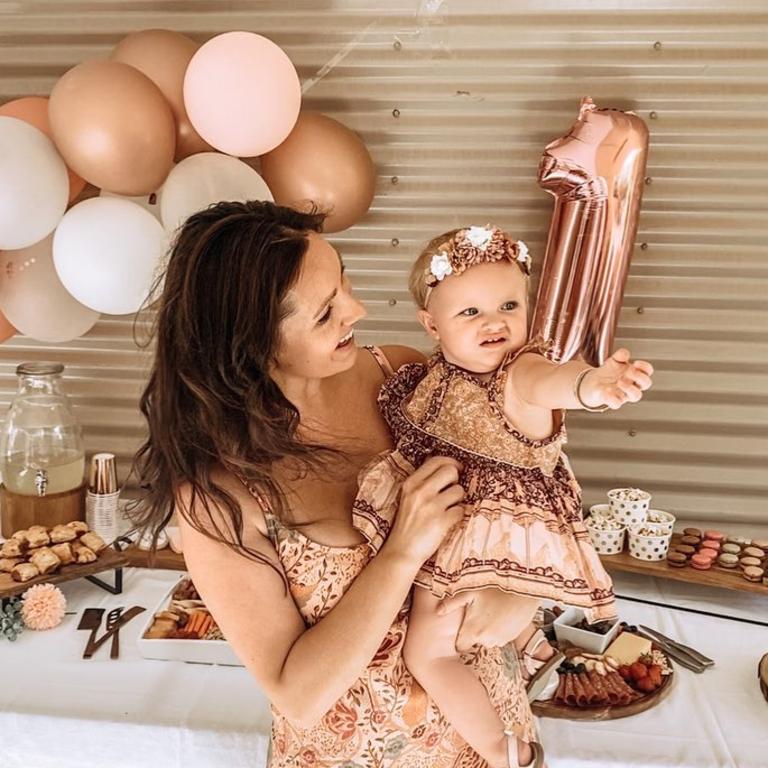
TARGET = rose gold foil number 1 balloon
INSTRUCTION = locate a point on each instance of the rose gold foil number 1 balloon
(595, 173)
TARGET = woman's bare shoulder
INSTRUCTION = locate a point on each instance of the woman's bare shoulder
(400, 355)
(212, 515)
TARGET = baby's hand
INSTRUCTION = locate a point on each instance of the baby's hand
(617, 381)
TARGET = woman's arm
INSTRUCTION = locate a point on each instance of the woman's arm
(545, 384)
(304, 670)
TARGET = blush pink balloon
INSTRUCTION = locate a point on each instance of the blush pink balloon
(34, 300)
(242, 93)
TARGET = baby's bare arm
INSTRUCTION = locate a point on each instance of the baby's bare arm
(544, 384)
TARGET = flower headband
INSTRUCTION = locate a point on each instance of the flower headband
(475, 245)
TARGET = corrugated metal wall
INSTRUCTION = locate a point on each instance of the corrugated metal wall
(456, 101)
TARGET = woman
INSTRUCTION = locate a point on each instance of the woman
(261, 413)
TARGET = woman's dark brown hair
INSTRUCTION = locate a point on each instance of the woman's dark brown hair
(210, 401)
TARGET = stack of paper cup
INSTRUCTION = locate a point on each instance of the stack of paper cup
(629, 505)
(101, 507)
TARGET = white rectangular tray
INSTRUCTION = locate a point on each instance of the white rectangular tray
(194, 651)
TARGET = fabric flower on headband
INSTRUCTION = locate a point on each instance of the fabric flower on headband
(440, 266)
(476, 245)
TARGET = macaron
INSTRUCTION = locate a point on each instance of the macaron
(692, 532)
(712, 544)
(753, 573)
(761, 543)
(685, 549)
(753, 552)
(710, 554)
(731, 549)
(739, 540)
(701, 562)
(749, 562)
(728, 560)
(676, 559)
(713, 548)
(691, 541)
(714, 535)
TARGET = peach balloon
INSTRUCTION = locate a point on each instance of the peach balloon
(242, 93)
(6, 329)
(163, 56)
(322, 163)
(113, 126)
(34, 110)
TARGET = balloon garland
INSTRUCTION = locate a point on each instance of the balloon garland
(152, 129)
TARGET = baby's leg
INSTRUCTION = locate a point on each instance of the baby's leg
(430, 654)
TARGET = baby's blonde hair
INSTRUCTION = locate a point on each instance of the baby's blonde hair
(417, 280)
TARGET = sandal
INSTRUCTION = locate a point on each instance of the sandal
(538, 753)
(542, 672)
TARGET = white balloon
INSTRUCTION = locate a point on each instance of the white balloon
(107, 252)
(149, 203)
(32, 294)
(204, 179)
(34, 185)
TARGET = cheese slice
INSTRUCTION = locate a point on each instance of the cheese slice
(628, 648)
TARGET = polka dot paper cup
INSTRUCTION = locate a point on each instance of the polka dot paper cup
(629, 505)
(648, 542)
(664, 520)
(600, 510)
(607, 535)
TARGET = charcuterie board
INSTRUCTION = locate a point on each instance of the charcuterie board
(611, 712)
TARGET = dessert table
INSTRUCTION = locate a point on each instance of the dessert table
(59, 710)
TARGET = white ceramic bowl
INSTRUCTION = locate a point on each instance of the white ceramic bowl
(665, 520)
(645, 547)
(629, 511)
(592, 642)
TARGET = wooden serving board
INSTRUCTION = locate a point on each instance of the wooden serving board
(166, 559)
(604, 712)
(108, 560)
(716, 576)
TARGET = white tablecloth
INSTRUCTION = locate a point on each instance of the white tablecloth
(61, 711)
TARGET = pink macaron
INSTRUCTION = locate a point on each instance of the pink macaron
(714, 535)
(701, 562)
(711, 544)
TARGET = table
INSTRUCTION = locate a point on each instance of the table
(58, 711)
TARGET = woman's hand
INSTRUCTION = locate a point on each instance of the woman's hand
(492, 617)
(617, 381)
(429, 508)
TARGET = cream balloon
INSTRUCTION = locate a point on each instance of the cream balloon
(107, 252)
(205, 179)
(34, 185)
(34, 299)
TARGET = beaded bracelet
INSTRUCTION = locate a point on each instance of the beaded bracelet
(577, 385)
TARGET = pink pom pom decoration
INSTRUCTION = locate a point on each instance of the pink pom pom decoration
(43, 606)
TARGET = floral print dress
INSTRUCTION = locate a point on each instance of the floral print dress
(385, 720)
(522, 530)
